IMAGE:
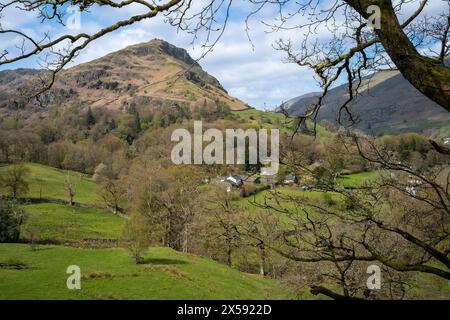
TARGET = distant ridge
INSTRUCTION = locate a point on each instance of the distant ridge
(386, 100)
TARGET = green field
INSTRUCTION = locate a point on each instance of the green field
(59, 222)
(270, 119)
(357, 179)
(47, 182)
(110, 274)
(107, 273)
(284, 195)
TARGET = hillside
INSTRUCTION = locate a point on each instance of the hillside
(57, 223)
(110, 274)
(276, 120)
(388, 104)
(143, 75)
(108, 271)
(47, 182)
(87, 237)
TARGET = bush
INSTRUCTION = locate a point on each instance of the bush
(348, 204)
(14, 180)
(328, 199)
(136, 237)
(11, 218)
(248, 190)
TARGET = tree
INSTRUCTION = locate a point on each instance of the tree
(113, 194)
(170, 200)
(359, 47)
(11, 218)
(89, 119)
(399, 221)
(429, 75)
(136, 119)
(21, 146)
(223, 219)
(136, 236)
(127, 127)
(32, 233)
(5, 141)
(256, 228)
(70, 185)
(14, 180)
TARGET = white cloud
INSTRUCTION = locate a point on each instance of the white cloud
(257, 75)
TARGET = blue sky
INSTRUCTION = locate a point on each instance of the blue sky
(257, 75)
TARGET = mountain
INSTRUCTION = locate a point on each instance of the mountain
(147, 74)
(388, 103)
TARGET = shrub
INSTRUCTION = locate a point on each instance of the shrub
(248, 190)
(328, 199)
(11, 218)
(348, 204)
(14, 180)
(136, 237)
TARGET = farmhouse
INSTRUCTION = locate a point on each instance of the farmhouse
(290, 179)
(235, 181)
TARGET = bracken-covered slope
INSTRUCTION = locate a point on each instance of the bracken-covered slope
(386, 101)
(146, 74)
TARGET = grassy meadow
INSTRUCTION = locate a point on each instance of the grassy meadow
(47, 182)
(64, 223)
(110, 274)
(107, 273)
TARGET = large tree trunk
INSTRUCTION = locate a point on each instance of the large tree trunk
(428, 75)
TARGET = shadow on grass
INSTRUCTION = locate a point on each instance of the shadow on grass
(14, 265)
(41, 248)
(162, 261)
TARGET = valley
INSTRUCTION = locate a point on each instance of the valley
(89, 179)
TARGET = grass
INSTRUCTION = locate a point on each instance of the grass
(283, 198)
(441, 128)
(48, 182)
(352, 180)
(59, 222)
(357, 179)
(273, 119)
(267, 117)
(286, 198)
(110, 274)
(420, 286)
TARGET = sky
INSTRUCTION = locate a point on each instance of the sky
(252, 71)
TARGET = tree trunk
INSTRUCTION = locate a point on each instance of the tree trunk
(186, 238)
(262, 252)
(229, 252)
(428, 75)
